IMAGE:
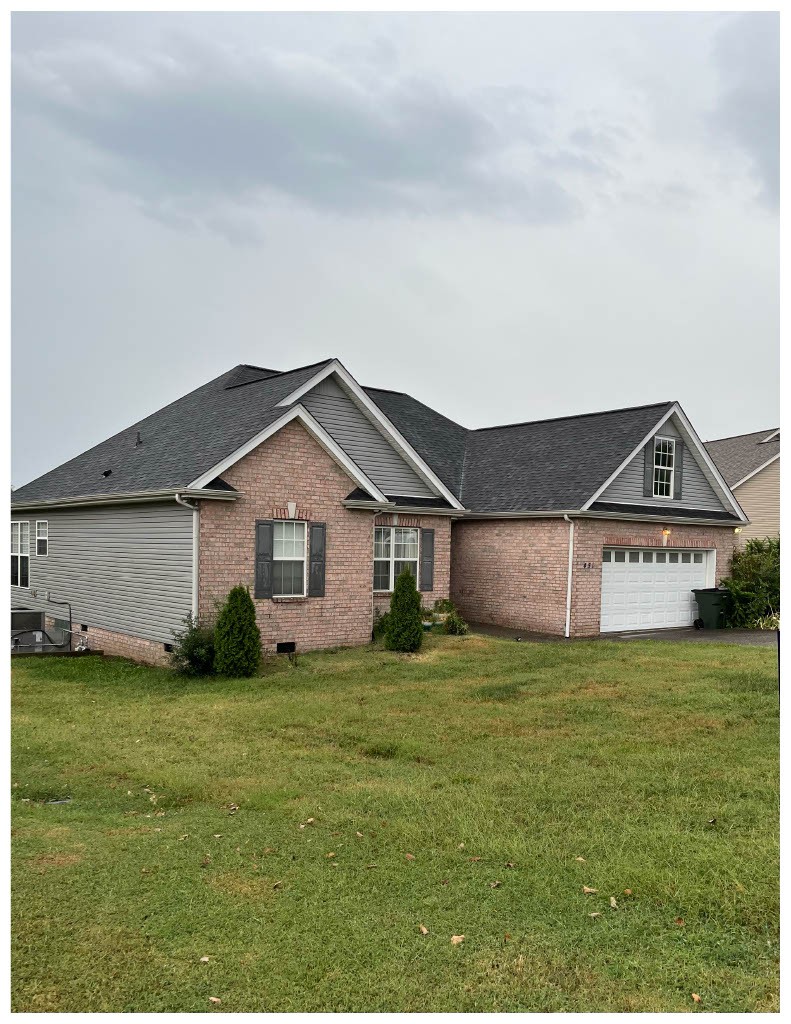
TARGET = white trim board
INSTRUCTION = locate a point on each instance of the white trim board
(405, 449)
(312, 425)
(674, 410)
(755, 472)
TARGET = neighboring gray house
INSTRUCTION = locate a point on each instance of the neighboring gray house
(316, 492)
(750, 464)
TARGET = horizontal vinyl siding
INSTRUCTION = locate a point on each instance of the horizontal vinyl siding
(362, 441)
(760, 499)
(697, 492)
(125, 568)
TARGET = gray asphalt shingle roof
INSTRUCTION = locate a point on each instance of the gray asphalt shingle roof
(736, 457)
(547, 465)
(179, 442)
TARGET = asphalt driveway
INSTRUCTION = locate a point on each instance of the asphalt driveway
(744, 637)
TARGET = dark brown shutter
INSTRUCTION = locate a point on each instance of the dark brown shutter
(648, 470)
(678, 468)
(264, 551)
(426, 560)
(317, 559)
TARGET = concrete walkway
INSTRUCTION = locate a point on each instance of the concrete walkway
(747, 637)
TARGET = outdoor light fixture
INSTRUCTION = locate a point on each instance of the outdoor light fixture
(737, 529)
(665, 535)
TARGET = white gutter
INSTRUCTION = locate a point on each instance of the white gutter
(195, 552)
(570, 576)
(132, 497)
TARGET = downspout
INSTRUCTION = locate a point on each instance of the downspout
(195, 552)
(570, 575)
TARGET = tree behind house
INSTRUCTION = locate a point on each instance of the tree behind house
(404, 631)
(237, 639)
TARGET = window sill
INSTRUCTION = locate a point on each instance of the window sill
(302, 599)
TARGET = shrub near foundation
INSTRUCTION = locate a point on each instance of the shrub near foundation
(404, 630)
(237, 639)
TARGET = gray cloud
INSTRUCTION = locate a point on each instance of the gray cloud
(203, 120)
(747, 113)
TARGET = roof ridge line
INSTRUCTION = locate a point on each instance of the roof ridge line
(748, 433)
(573, 416)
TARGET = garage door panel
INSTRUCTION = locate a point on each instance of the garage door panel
(646, 589)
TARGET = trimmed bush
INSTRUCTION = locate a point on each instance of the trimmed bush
(193, 649)
(404, 630)
(380, 624)
(754, 585)
(237, 639)
(455, 624)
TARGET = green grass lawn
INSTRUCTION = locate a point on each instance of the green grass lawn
(473, 789)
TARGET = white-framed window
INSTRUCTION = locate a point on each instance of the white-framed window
(20, 555)
(42, 537)
(395, 549)
(664, 466)
(289, 557)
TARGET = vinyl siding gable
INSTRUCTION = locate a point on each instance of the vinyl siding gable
(362, 440)
(125, 568)
(760, 498)
(697, 492)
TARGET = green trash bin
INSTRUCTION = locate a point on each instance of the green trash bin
(711, 606)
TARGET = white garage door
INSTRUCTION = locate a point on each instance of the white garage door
(650, 589)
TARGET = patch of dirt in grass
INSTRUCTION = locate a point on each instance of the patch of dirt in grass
(45, 861)
(247, 887)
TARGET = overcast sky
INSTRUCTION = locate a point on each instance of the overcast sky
(509, 216)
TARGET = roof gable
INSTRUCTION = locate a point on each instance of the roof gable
(741, 456)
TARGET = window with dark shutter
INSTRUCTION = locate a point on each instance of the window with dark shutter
(264, 557)
(317, 559)
(426, 559)
(679, 468)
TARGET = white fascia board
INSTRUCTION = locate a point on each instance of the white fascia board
(771, 437)
(755, 472)
(128, 498)
(312, 425)
(388, 428)
(674, 410)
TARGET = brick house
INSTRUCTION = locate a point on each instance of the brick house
(316, 492)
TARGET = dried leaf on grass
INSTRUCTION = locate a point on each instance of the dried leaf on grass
(204, 959)
(588, 891)
(581, 860)
(695, 997)
(680, 922)
(613, 903)
(495, 885)
(214, 999)
(423, 929)
(409, 856)
(456, 940)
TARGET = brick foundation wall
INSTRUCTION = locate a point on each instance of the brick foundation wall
(292, 466)
(124, 646)
(513, 572)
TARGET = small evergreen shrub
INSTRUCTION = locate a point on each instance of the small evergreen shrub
(455, 624)
(193, 649)
(237, 639)
(754, 585)
(380, 624)
(404, 631)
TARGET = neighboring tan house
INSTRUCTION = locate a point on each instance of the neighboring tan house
(316, 492)
(750, 464)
